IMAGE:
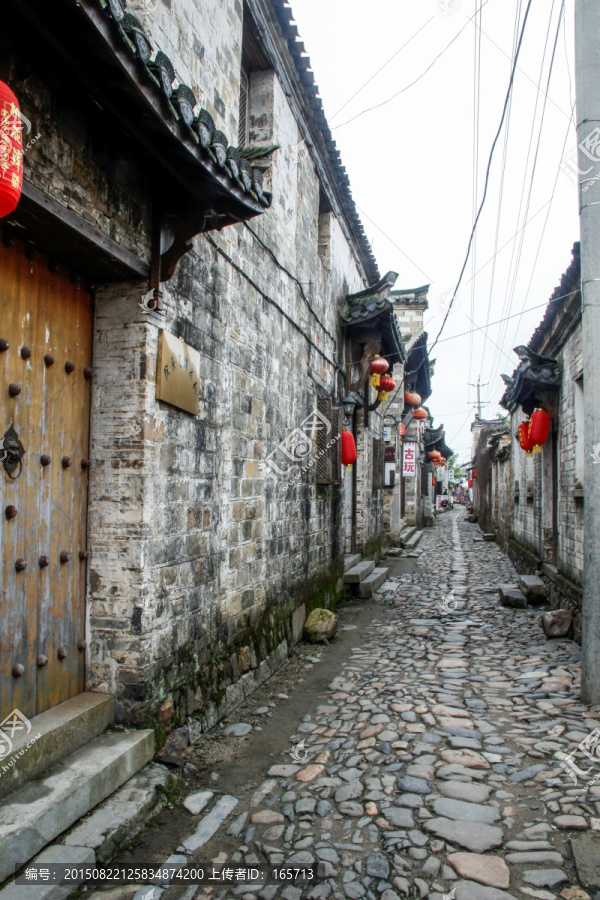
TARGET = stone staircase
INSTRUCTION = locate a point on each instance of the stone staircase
(361, 576)
(410, 537)
(70, 765)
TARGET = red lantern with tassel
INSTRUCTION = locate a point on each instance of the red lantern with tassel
(348, 449)
(11, 151)
(539, 429)
(411, 398)
(524, 439)
(386, 385)
(379, 367)
(419, 413)
(434, 455)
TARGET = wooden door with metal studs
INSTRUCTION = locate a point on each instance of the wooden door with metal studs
(46, 320)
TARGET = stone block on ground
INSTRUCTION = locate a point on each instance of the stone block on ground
(534, 588)
(321, 625)
(557, 623)
(586, 851)
(512, 597)
(490, 870)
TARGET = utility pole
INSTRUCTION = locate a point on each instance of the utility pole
(587, 47)
(479, 386)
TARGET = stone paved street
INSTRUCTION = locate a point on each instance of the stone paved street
(431, 765)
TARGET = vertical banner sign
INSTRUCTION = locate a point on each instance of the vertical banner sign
(409, 459)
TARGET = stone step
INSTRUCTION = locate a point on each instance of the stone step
(511, 597)
(351, 560)
(358, 573)
(372, 582)
(118, 820)
(406, 533)
(533, 588)
(414, 540)
(37, 813)
(62, 730)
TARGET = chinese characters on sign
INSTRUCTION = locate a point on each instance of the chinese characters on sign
(177, 374)
(409, 459)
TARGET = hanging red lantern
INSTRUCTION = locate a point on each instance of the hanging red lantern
(443, 462)
(539, 429)
(434, 455)
(470, 483)
(11, 151)
(411, 398)
(386, 383)
(524, 439)
(348, 449)
(419, 413)
(379, 366)
(402, 430)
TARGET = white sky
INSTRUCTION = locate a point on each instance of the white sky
(411, 165)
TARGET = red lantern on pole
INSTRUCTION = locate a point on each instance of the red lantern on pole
(539, 429)
(524, 439)
(11, 151)
(402, 430)
(348, 449)
(419, 413)
(411, 398)
(470, 483)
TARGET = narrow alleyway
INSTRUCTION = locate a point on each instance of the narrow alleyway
(429, 762)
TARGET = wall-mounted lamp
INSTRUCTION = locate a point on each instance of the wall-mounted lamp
(348, 403)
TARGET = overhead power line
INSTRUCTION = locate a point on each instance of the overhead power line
(488, 171)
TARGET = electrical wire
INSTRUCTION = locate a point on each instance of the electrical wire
(266, 297)
(512, 286)
(412, 83)
(299, 283)
(488, 170)
(393, 57)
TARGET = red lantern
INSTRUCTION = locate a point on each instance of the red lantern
(402, 430)
(11, 151)
(524, 439)
(379, 366)
(348, 449)
(435, 455)
(411, 398)
(386, 383)
(419, 413)
(539, 429)
(443, 462)
(470, 483)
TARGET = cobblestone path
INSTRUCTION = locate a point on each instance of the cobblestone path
(433, 762)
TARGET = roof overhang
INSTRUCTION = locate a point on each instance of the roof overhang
(105, 54)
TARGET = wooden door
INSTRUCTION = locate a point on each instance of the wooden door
(45, 374)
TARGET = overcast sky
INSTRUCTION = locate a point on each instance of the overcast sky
(412, 160)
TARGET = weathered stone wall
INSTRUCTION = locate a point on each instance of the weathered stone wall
(532, 515)
(225, 553)
(202, 565)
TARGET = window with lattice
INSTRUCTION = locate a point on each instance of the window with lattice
(378, 463)
(328, 463)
